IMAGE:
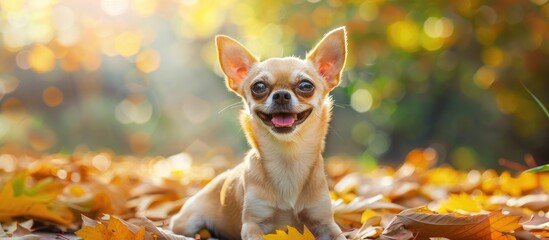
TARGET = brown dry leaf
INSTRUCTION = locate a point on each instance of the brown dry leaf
(536, 223)
(157, 206)
(371, 229)
(536, 202)
(37, 206)
(155, 233)
(423, 224)
(16, 230)
(349, 215)
(111, 229)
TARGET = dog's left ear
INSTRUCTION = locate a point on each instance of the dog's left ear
(235, 61)
(329, 55)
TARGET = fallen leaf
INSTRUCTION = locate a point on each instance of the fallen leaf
(369, 230)
(112, 229)
(462, 202)
(536, 223)
(35, 206)
(17, 230)
(142, 228)
(293, 234)
(349, 215)
(423, 224)
(159, 233)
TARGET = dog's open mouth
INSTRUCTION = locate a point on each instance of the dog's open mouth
(284, 122)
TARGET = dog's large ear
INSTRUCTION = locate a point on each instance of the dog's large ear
(329, 55)
(235, 61)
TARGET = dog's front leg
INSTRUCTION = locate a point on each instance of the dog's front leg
(251, 231)
(318, 217)
(255, 210)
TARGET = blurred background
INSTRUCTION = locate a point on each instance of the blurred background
(141, 77)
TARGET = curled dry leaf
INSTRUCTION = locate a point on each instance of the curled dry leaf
(536, 223)
(349, 215)
(371, 229)
(16, 230)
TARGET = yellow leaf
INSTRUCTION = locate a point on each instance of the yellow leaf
(460, 203)
(367, 214)
(293, 234)
(112, 229)
(31, 206)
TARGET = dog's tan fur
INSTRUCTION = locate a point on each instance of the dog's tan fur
(281, 181)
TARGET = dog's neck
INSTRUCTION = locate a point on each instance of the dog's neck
(288, 161)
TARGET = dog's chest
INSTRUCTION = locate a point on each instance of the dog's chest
(288, 177)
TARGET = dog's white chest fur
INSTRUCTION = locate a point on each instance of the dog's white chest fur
(288, 173)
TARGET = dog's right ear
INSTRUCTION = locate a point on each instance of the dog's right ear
(235, 61)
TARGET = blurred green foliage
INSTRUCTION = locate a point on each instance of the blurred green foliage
(141, 76)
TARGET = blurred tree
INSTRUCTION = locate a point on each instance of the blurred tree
(141, 76)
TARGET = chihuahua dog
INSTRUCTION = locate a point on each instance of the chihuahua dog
(281, 181)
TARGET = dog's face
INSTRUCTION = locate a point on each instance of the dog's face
(282, 93)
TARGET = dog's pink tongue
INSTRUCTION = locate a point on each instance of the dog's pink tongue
(283, 121)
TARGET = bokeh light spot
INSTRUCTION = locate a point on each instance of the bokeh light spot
(404, 34)
(361, 100)
(506, 101)
(13, 107)
(63, 18)
(438, 27)
(42, 139)
(484, 77)
(127, 43)
(368, 10)
(180, 161)
(148, 61)
(361, 132)
(8, 163)
(114, 7)
(464, 158)
(75, 177)
(539, 2)
(61, 173)
(8, 84)
(431, 44)
(144, 7)
(12, 5)
(101, 161)
(139, 142)
(52, 96)
(41, 59)
(134, 109)
(493, 56)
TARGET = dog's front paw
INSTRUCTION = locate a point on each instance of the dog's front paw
(251, 231)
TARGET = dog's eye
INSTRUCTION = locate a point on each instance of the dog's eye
(259, 89)
(305, 87)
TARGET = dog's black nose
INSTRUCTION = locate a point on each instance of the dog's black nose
(282, 97)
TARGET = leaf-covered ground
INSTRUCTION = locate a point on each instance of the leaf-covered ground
(97, 195)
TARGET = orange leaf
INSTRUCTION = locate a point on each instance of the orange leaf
(31, 206)
(112, 229)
